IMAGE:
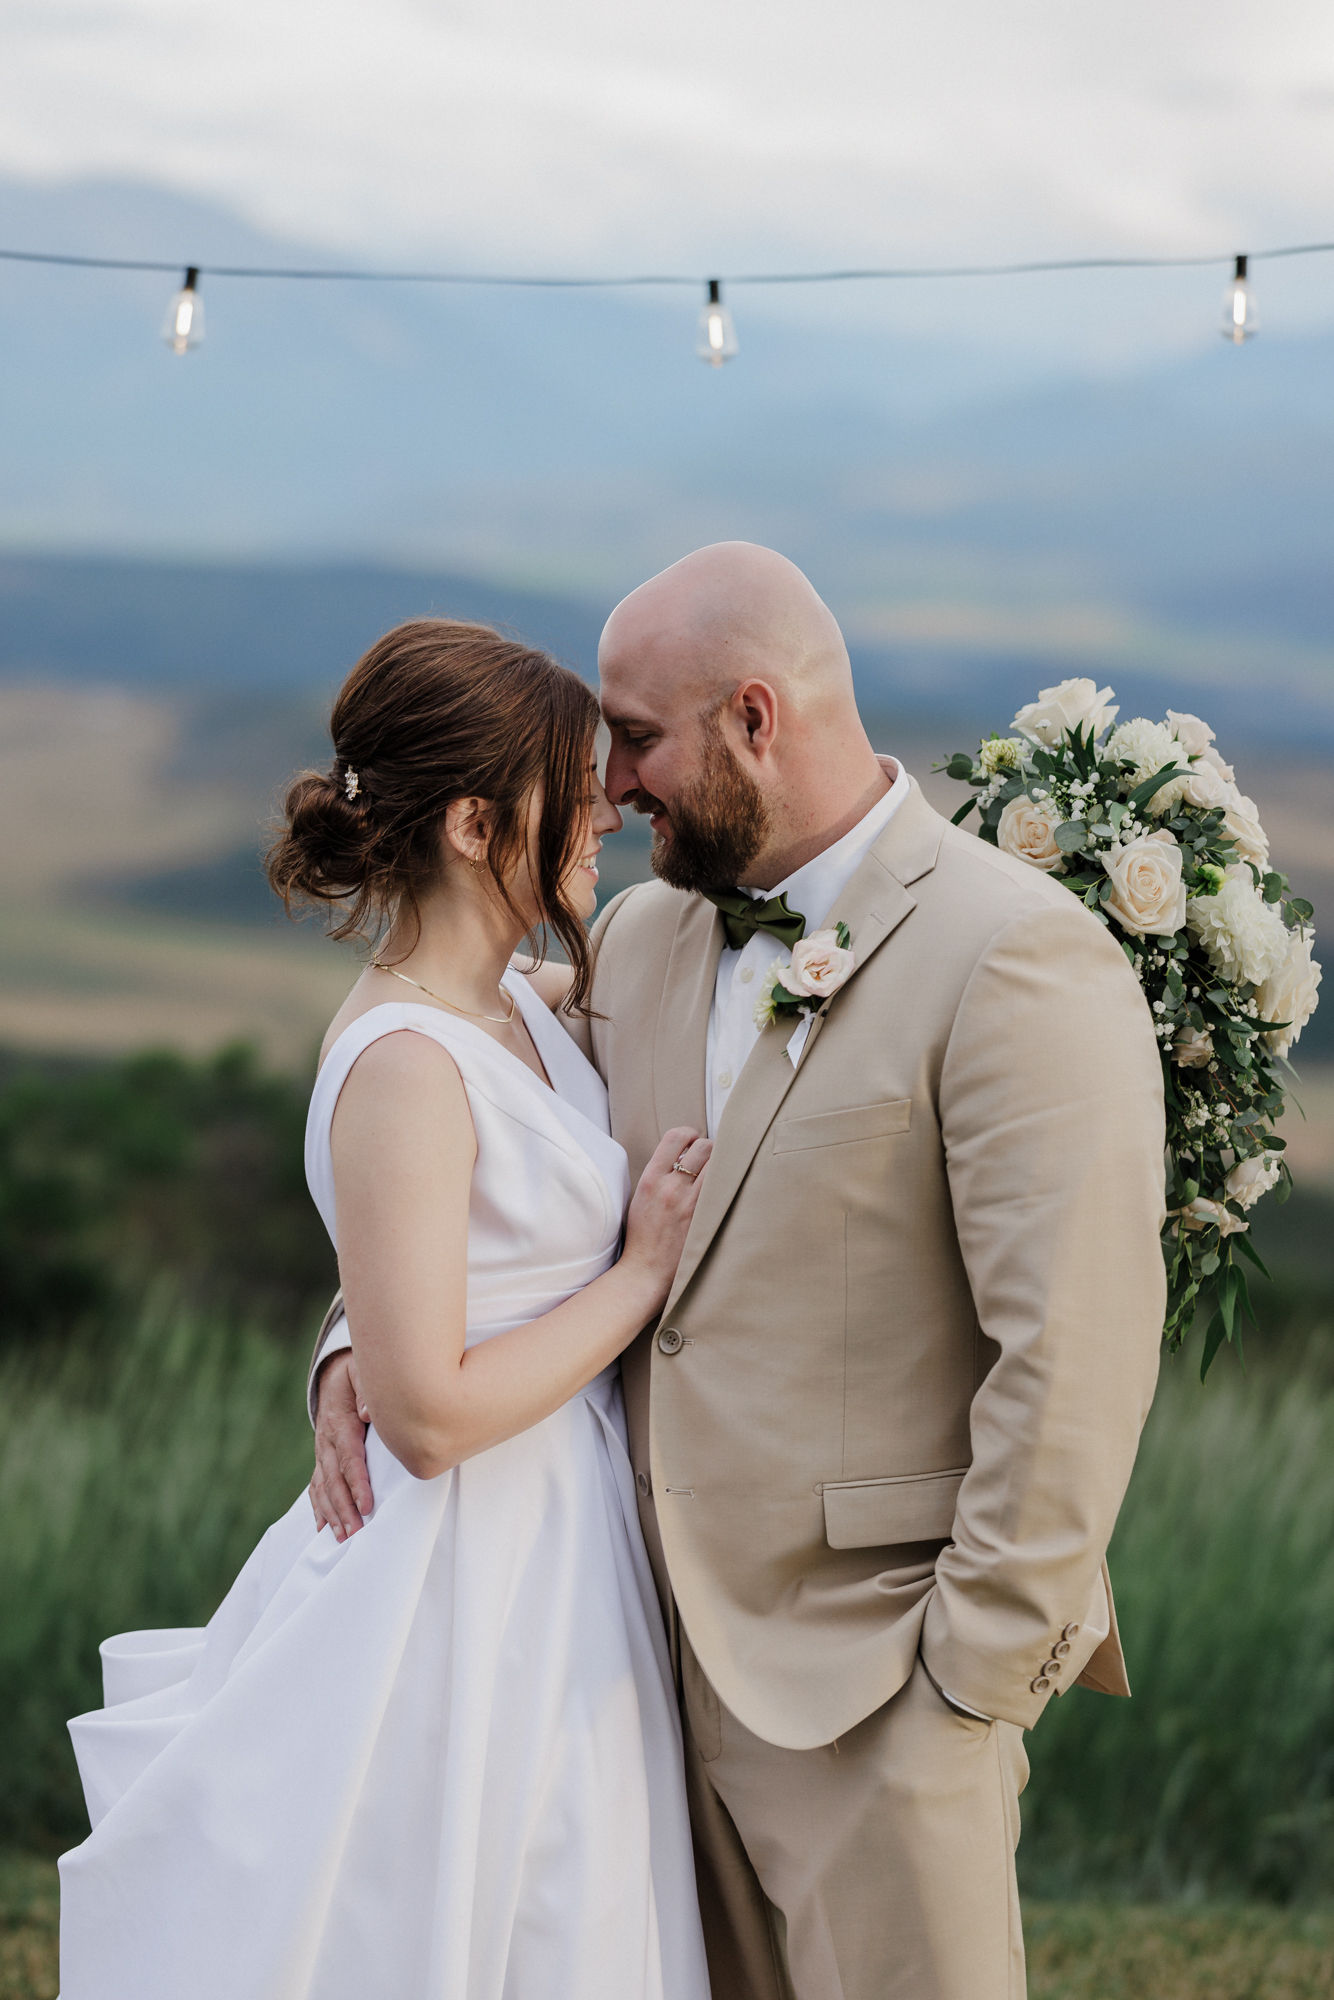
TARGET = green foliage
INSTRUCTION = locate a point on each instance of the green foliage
(114, 1174)
(1217, 1779)
(136, 1474)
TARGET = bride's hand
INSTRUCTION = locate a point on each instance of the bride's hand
(664, 1202)
(340, 1489)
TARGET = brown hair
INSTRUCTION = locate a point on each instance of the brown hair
(439, 710)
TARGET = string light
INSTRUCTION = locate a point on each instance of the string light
(183, 327)
(1239, 307)
(717, 340)
(717, 335)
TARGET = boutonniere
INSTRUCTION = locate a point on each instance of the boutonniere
(812, 974)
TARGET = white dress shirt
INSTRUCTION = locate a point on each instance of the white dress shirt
(813, 889)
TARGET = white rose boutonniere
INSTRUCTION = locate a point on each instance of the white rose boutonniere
(813, 973)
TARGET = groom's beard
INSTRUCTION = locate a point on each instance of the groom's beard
(719, 822)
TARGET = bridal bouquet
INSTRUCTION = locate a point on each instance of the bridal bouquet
(1143, 821)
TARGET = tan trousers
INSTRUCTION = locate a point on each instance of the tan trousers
(877, 1868)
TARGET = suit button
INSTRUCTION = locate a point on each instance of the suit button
(1060, 1649)
(1070, 1632)
(644, 1484)
(671, 1340)
(1040, 1685)
(1051, 1666)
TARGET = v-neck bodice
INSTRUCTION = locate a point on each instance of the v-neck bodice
(550, 1184)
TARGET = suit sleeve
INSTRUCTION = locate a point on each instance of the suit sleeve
(1052, 1118)
(332, 1338)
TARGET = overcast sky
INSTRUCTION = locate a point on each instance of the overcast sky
(605, 134)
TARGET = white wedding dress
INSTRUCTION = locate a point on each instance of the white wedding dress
(440, 1760)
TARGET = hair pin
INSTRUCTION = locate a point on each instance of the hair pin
(352, 783)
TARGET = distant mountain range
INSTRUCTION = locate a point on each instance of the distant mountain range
(336, 457)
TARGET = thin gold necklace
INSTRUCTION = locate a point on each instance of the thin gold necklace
(500, 1020)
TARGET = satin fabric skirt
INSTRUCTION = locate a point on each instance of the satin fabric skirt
(439, 1759)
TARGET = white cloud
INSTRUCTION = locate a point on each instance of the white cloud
(511, 133)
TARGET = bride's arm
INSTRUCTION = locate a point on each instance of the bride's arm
(403, 1154)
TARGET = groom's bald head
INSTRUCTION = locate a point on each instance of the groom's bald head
(721, 616)
(728, 693)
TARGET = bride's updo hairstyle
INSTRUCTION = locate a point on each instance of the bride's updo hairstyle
(438, 710)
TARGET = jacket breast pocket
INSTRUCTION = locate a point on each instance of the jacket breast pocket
(877, 1513)
(841, 1128)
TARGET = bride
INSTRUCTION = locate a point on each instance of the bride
(439, 1757)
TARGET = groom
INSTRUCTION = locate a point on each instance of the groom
(883, 1427)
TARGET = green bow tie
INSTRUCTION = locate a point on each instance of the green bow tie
(743, 916)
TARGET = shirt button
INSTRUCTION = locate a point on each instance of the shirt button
(671, 1340)
(724, 1079)
(747, 974)
(643, 1483)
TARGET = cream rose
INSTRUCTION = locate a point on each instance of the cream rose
(1205, 1214)
(1210, 756)
(1148, 893)
(1289, 993)
(1243, 936)
(1241, 820)
(1193, 735)
(1027, 830)
(1193, 1049)
(819, 966)
(1250, 1179)
(1074, 704)
(1206, 787)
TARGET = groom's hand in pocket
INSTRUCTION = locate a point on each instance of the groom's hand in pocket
(340, 1490)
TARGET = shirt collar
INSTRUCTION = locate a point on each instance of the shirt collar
(815, 887)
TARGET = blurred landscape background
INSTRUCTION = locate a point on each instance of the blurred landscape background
(994, 487)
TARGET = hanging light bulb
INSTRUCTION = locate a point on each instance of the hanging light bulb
(183, 327)
(717, 335)
(1239, 307)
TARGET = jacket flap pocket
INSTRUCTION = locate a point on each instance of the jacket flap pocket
(835, 1128)
(875, 1513)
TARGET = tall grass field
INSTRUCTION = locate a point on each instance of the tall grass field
(138, 1468)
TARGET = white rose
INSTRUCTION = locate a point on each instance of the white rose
(1074, 704)
(1289, 993)
(1150, 747)
(1027, 830)
(1243, 936)
(1210, 756)
(1250, 1179)
(1207, 787)
(1193, 1048)
(820, 965)
(1148, 894)
(1205, 1214)
(1193, 735)
(1001, 753)
(1242, 821)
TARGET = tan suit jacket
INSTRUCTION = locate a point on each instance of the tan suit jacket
(895, 1395)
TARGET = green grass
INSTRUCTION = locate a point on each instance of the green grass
(138, 1470)
(136, 1473)
(1078, 1951)
(1217, 1779)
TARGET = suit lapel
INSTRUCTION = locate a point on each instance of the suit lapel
(872, 906)
(681, 1037)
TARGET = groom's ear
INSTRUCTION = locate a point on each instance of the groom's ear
(753, 711)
